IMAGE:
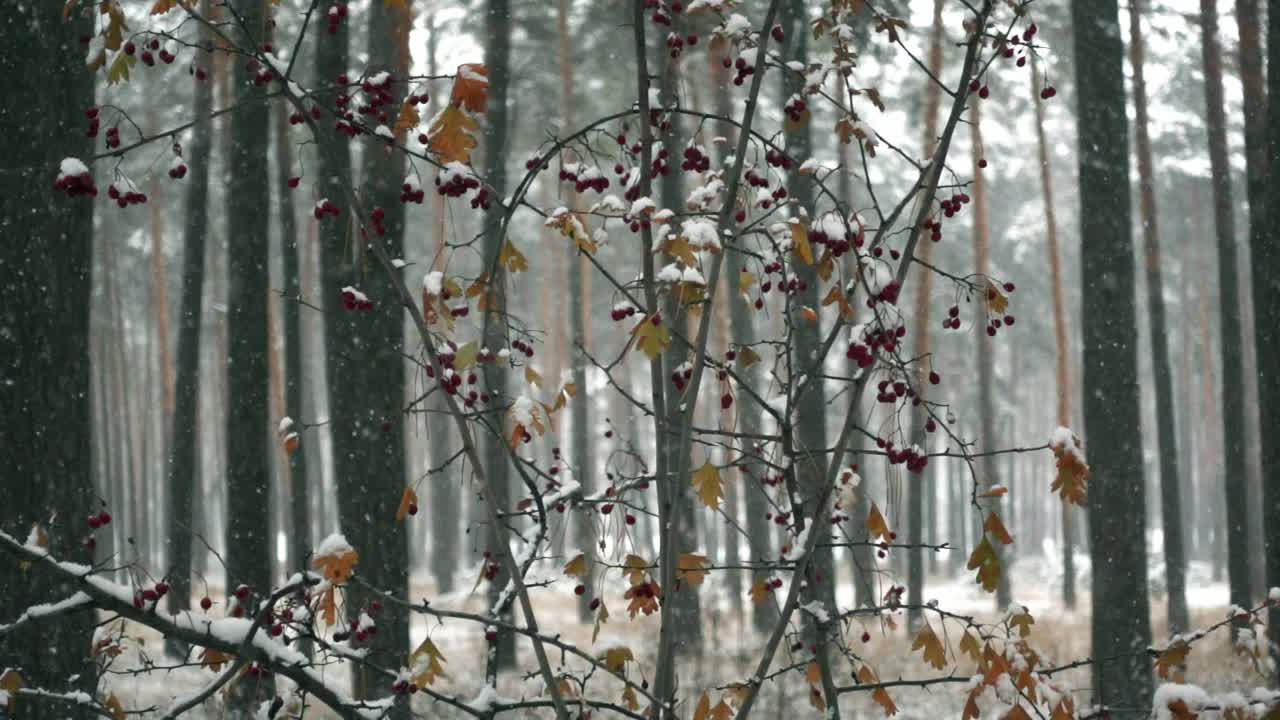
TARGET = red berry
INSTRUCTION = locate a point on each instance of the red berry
(580, 590)
(413, 508)
(205, 603)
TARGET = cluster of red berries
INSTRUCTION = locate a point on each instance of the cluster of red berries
(92, 114)
(298, 118)
(326, 208)
(887, 294)
(343, 127)
(457, 185)
(660, 16)
(622, 311)
(782, 518)
(99, 519)
(293, 182)
(404, 687)
(113, 136)
(890, 392)
(795, 108)
(337, 13)
(742, 70)
(377, 90)
(523, 347)
(778, 159)
(375, 218)
(935, 229)
(410, 192)
(952, 320)
(599, 183)
(353, 299)
(680, 378)
(755, 180)
(838, 246)
(676, 43)
(127, 198)
(178, 171)
(952, 205)
(983, 91)
(75, 185)
(150, 595)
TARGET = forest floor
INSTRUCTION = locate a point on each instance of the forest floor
(730, 650)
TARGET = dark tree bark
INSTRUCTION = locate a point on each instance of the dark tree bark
(366, 384)
(1266, 305)
(249, 545)
(1170, 492)
(184, 451)
(497, 56)
(1117, 512)
(1235, 481)
(44, 350)
(920, 340)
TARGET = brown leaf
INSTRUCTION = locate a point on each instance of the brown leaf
(996, 528)
(1072, 479)
(635, 569)
(934, 652)
(721, 710)
(747, 357)
(11, 682)
(1016, 713)
(1065, 709)
(336, 566)
(868, 676)
(1171, 661)
(969, 646)
(629, 698)
(704, 707)
(996, 302)
(409, 498)
(602, 618)
(451, 135)
(163, 6)
(214, 659)
(407, 120)
(113, 706)
(471, 87)
(616, 658)
(984, 560)
(745, 281)
(577, 567)
(512, 259)
(760, 591)
(329, 607)
(1023, 621)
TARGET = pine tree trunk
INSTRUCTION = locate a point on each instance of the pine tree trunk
(1061, 351)
(291, 309)
(920, 339)
(1233, 408)
(184, 452)
(1170, 499)
(1117, 512)
(497, 33)
(44, 349)
(1266, 305)
(988, 473)
(249, 545)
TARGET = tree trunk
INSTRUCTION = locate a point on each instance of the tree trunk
(1170, 499)
(1117, 513)
(44, 349)
(497, 33)
(1233, 407)
(249, 546)
(987, 466)
(291, 309)
(920, 338)
(1265, 241)
(184, 453)
(1061, 350)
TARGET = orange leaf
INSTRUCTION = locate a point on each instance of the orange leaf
(809, 314)
(704, 707)
(651, 336)
(329, 608)
(997, 529)
(995, 491)
(1171, 660)
(425, 663)
(213, 659)
(691, 568)
(408, 119)
(984, 560)
(163, 6)
(876, 526)
(800, 242)
(335, 558)
(471, 87)
(451, 135)
(934, 652)
(1016, 713)
(971, 711)
(408, 504)
(721, 710)
(1065, 709)
(10, 683)
(760, 591)
(868, 676)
